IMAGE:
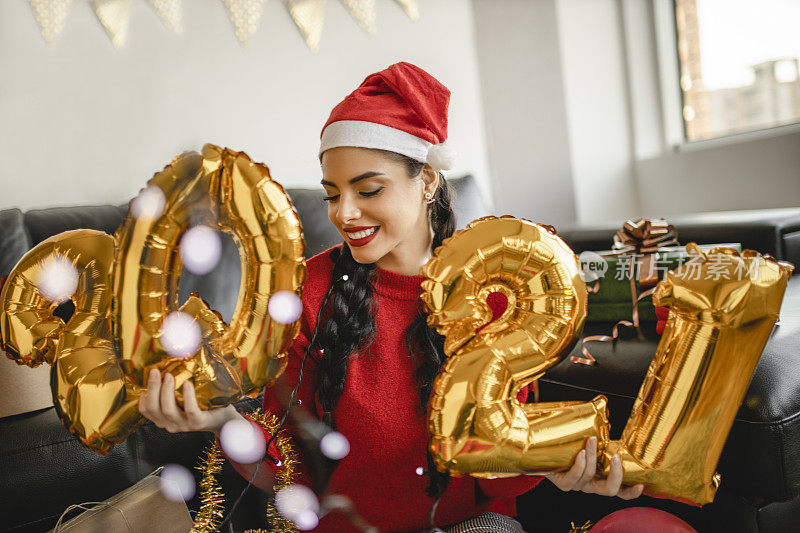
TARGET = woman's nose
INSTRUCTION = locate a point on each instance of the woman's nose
(348, 210)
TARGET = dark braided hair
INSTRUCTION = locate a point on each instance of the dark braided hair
(351, 328)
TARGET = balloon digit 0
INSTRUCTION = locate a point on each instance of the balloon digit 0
(227, 191)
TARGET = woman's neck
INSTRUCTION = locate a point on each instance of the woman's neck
(409, 256)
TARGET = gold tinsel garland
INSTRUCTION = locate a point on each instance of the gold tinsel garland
(212, 497)
(580, 529)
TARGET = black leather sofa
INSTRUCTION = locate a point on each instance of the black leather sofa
(43, 469)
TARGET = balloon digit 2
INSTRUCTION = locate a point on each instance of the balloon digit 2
(476, 424)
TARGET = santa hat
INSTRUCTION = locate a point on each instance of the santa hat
(402, 109)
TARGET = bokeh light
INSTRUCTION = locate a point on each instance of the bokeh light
(180, 335)
(149, 203)
(298, 503)
(284, 307)
(306, 520)
(334, 446)
(200, 249)
(177, 483)
(242, 442)
(57, 279)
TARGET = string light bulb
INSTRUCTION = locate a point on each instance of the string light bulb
(180, 335)
(57, 279)
(177, 483)
(242, 442)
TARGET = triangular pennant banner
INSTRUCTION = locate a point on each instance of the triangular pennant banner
(245, 16)
(411, 7)
(308, 15)
(114, 15)
(50, 15)
(170, 13)
(364, 13)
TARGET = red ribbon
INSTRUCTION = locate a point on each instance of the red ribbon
(662, 313)
(643, 236)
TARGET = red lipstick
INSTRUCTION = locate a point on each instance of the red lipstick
(357, 228)
(363, 240)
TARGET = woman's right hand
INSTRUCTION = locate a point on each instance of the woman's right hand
(158, 404)
(585, 475)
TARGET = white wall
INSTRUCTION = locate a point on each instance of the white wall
(750, 174)
(526, 120)
(565, 93)
(582, 120)
(83, 123)
(624, 110)
(558, 126)
(600, 135)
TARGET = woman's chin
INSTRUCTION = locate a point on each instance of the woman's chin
(363, 256)
(360, 257)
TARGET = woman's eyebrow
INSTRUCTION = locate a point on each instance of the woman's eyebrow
(363, 176)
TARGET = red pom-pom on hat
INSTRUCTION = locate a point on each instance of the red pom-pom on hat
(402, 109)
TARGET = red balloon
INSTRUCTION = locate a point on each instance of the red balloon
(638, 519)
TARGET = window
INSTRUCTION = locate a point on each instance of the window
(738, 65)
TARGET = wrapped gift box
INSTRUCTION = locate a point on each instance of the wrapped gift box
(138, 509)
(613, 302)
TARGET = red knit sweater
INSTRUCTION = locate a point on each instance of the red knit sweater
(378, 413)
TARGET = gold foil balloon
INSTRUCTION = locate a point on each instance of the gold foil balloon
(28, 330)
(225, 190)
(90, 391)
(127, 285)
(476, 424)
(723, 306)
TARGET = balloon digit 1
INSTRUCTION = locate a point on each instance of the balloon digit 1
(723, 306)
(127, 286)
(477, 426)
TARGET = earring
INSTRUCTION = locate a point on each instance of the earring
(428, 198)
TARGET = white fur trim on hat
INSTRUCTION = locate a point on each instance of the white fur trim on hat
(441, 157)
(365, 134)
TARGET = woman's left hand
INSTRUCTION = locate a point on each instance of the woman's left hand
(583, 476)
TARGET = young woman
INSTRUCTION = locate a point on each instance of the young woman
(371, 369)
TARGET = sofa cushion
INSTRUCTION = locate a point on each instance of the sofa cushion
(468, 201)
(43, 223)
(762, 455)
(318, 231)
(45, 469)
(14, 239)
(771, 231)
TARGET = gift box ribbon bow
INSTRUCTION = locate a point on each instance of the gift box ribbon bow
(642, 239)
